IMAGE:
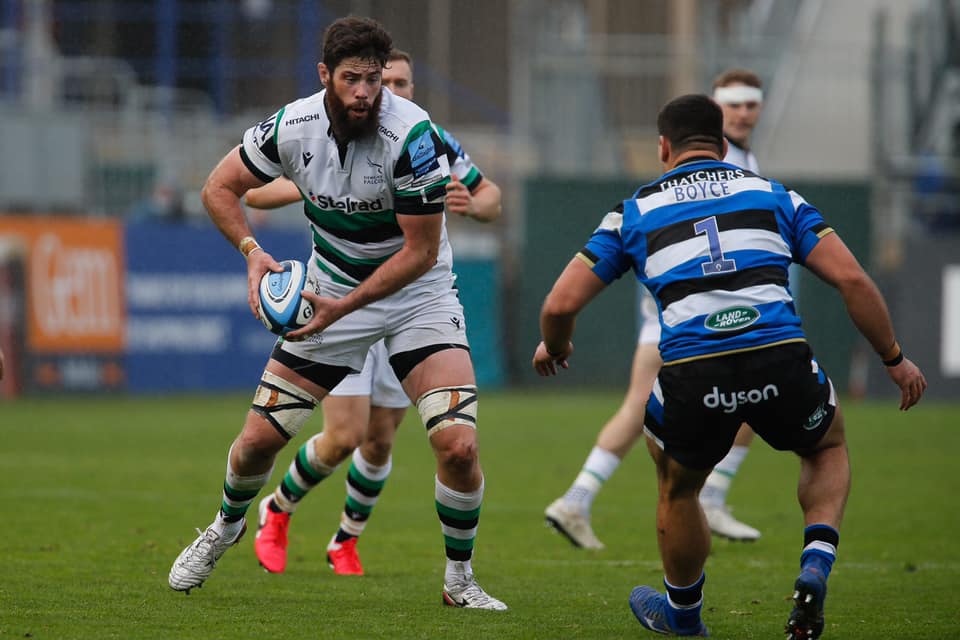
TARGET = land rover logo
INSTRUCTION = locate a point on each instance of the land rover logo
(731, 319)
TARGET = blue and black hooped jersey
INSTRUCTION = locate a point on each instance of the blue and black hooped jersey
(712, 242)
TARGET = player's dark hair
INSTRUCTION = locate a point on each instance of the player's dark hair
(355, 37)
(400, 54)
(693, 121)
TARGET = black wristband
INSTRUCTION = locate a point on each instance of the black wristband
(892, 362)
(551, 353)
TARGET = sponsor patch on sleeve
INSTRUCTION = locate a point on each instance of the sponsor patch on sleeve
(423, 155)
(263, 131)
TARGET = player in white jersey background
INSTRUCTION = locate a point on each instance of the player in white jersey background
(372, 171)
(739, 93)
(363, 412)
(713, 242)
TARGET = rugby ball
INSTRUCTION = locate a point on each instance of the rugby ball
(282, 306)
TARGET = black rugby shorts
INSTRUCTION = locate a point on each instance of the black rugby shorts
(781, 392)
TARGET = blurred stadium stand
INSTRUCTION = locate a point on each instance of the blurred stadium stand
(105, 101)
(915, 225)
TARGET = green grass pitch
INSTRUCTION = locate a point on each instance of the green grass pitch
(100, 495)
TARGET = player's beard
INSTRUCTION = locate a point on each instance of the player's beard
(346, 126)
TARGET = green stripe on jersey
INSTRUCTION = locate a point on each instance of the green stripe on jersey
(470, 177)
(276, 126)
(416, 131)
(326, 247)
(336, 277)
(335, 219)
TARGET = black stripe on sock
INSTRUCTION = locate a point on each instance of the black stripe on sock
(821, 534)
(457, 523)
(459, 555)
(368, 492)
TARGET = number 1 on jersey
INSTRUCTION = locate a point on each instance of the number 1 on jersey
(717, 264)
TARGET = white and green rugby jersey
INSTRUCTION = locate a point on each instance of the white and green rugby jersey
(352, 204)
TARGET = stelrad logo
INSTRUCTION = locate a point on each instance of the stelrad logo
(348, 204)
(731, 319)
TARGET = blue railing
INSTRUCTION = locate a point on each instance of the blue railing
(199, 44)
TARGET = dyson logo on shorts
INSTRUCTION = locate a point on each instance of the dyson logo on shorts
(730, 401)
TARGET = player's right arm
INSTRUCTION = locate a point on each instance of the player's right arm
(833, 263)
(421, 174)
(273, 195)
(417, 255)
(572, 291)
(221, 195)
(599, 263)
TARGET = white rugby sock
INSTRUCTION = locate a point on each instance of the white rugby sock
(305, 472)
(364, 483)
(459, 514)
(598, 468)
(238, 493)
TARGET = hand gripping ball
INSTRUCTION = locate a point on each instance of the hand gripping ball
(282, 306)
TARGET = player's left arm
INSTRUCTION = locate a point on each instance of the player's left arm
(833, 263)
(482, 203)
(469, 194)
(573, 290)
(419, 185)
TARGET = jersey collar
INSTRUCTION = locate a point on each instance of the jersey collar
(695, 159)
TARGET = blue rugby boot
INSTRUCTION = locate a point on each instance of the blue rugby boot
(655, 613)
(806, 619)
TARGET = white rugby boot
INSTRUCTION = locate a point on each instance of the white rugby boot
(575, 526)
(723, 524)
(195, 563)
(464, 592)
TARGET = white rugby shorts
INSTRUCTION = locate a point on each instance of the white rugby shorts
(376, 380)
(420, 315)
(650, 319)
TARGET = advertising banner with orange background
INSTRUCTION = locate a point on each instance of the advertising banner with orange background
(74, 282)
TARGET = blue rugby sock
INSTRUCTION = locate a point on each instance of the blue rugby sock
(820, 543)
